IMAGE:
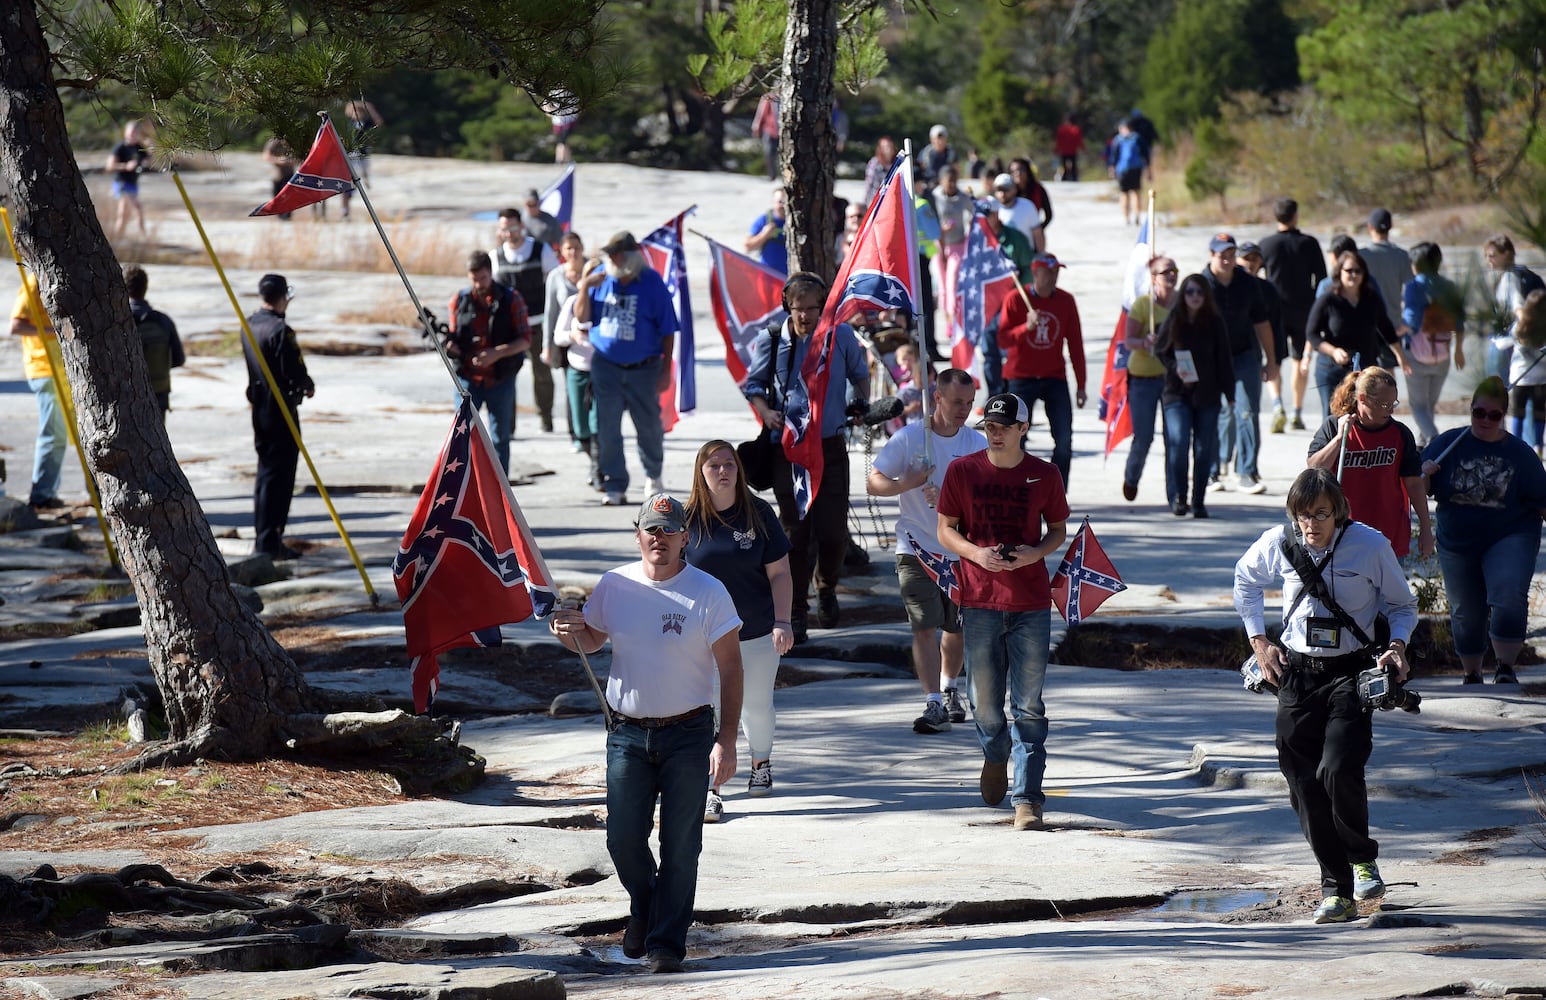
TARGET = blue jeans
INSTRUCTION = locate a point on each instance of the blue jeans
(670, 764)
(1143, 396)
(1328, 375)
(632, 388)
(1009, 649)
(1053, 393)
(1494, 578)
(499, 399)
(1195, 431)
(53, 438)
(1239, 429)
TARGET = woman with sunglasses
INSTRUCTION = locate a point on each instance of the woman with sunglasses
(1490, 490)
(1145, 374)
(1348, 324)
(736, 538)
(1193, 346)
(1382, 473)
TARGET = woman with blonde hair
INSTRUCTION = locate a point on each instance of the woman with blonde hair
(736, 538)
(1381, 472)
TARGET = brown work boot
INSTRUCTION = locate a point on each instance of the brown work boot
(994, 782)
(1028, 816)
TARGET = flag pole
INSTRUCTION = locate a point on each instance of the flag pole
(56, 374)
(918, 325)
(418, 307)
(273, 388)
(1153, 252)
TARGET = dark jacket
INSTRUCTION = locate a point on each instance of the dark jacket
(1360, 329)
(507, 323)
(1215, 366)
(277, 342)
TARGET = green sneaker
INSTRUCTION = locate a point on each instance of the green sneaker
(1279, 420)
(1367, 883)
(1336, 910)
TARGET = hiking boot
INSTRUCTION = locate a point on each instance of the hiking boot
(1297, 423)
(664, 961)
(1129, 491)
(933, 719)
(994, 781)
(633, 938)
(1251, 484)
(955, 705)
(1505, 675)
(761, 783)
(1367, 883)
(1279, 420)
(826, 609)
(1336, 910)
(1028, 816)
(714, 808)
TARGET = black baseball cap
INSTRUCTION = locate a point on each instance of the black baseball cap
(1006, 408)
(1380, 220)
(273, 287)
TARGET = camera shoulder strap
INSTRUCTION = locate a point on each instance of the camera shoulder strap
(1309, 572)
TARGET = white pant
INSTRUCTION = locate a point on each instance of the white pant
(759, 669)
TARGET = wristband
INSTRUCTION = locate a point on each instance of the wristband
(780, 621)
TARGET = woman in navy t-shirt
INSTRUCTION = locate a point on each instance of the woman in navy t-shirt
(736, 538)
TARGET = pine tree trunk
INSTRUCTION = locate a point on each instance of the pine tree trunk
(807, 146)
(226, 683)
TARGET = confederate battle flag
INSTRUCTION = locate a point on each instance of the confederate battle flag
(1086, 578)
(468, 563)
(324, 173)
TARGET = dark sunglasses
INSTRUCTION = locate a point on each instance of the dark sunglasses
(1483, 413)
(1194, 290)
(1169, 271)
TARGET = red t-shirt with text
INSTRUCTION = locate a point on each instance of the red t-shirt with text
(995, 506)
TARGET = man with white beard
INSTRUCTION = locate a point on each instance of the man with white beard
(633, 329)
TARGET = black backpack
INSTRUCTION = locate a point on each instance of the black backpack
(156, 339)
(1529, 281)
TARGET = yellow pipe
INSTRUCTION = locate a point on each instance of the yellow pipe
(273, 388)
(61, 385)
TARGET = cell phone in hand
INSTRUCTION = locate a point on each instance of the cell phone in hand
(1006, 552)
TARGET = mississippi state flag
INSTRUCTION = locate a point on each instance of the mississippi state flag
(558, 199)
(324, 173)
(1113, 383)
(1085, 578)
(748, 298)
(986, 279)
(468, 562)
(881, 272)
(663, 249)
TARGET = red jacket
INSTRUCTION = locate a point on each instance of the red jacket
(1037, 351)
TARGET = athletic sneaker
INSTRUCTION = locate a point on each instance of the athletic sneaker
(656, 486)
(1297, 423)
(614, 499)
(1336, 910)
(1250, 484)
(1279, 420)
(1505, 675)
(714, 808)
(1216, 484)
(955, 705)
(761, 784)
(1367, 883)
(933, 719)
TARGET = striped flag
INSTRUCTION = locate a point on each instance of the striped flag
(324, 173)
(986, 279)
(663, 249)
(748, 300)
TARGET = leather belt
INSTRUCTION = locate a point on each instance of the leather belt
(661, 723)
(1343, 663)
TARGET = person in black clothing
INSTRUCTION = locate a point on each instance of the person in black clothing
(158, 336)
(1348, 324)
(523, 263)
(1295, 265)
(124, 165)
(489, 335)
(1194, 348)
(1240, 305)
(278, 447)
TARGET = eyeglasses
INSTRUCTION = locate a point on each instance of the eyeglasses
(1318, 517)
(1483, 413)
(1169, 272)
(1376, 404)
(656, 530)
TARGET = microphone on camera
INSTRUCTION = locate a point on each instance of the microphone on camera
(886, 408)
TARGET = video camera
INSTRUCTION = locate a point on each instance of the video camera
(1379, 689)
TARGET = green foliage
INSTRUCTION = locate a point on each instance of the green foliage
(1212, 163)
(994, 102)
(743, 48)
(1211, 48)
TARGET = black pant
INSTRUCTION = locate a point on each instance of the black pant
(1070, 167)
(277, 455)
(825, 526)
(1324, 737)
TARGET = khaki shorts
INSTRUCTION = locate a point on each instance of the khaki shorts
(927, 606)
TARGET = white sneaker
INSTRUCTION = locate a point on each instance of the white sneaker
(1251, 484)
(1216, 484)
(714, 808)
(656, 486)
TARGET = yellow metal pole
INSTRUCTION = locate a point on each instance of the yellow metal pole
(273, 388)
(61, 385)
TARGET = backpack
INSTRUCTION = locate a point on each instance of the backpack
(1529, 281)
(156, 339)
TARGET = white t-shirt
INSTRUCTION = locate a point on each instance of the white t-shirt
(1023, 216)
(662, 638)
(903, 453)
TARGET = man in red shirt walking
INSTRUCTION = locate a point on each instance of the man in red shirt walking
(1034, 365)
(1068, 144)
(1003, 512)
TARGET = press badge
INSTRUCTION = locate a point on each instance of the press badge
(1322, 633)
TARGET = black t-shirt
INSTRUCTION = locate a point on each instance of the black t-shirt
(1293, 262)
(128, 158)
(1241, 305)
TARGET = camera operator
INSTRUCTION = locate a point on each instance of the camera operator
(1347, 575)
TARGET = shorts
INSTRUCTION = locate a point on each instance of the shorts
(126, 187)
(1130, 180)
(927, 606)
(561, 130)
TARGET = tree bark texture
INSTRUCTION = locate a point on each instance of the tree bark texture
(226, 683)
(807, 146)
